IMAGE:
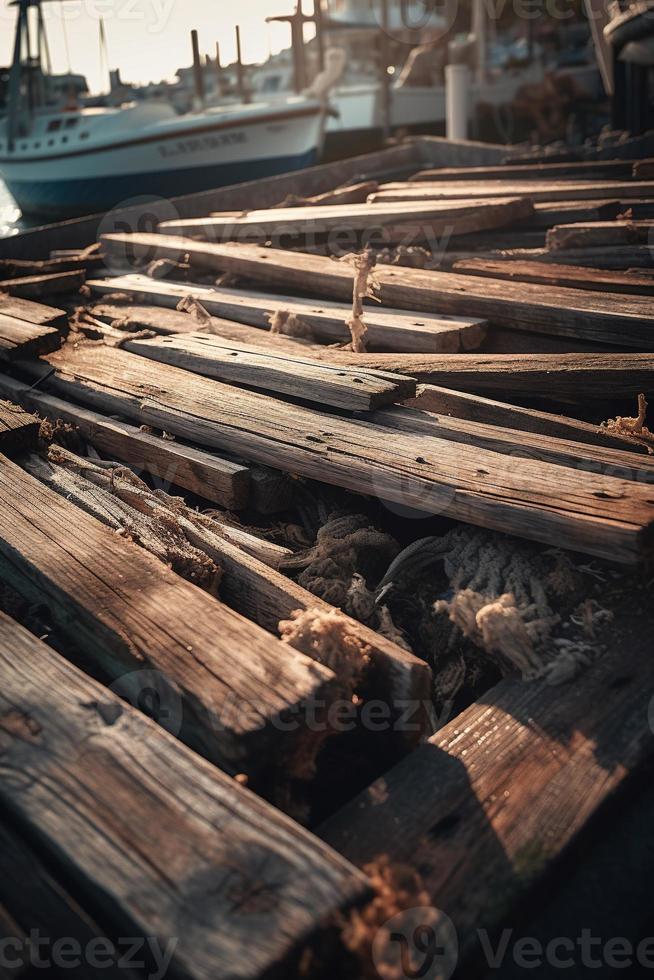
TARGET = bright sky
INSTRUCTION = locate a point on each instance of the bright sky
(149, 39)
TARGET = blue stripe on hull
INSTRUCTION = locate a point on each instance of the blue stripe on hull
(69, 199)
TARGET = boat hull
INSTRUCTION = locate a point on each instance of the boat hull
(94, 180)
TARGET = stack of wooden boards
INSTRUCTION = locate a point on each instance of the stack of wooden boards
(174, 828)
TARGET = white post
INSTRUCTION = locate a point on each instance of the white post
(457, 94)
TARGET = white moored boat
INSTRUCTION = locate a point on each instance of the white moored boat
(63, 162)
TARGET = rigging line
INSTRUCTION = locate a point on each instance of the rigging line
(65, 32)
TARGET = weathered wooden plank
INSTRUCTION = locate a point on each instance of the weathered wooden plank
(35, 287)
(345, 194)
(558, 377)
(381, 222)
(498, 795)
(158, 839)
(41, 904)
(170, 462)
(127, 613)
(18, 338)
(610, 318)
(413, 333)
(518, 443)
(18, 430)
(615, 169)
(581, 234)
(536, 500)
(14, 268)
(34, 313)
(261, 593)
(464, 405)
(606, 257)
(553, 274)
(544, 190)
(257, 367)
(643, 169)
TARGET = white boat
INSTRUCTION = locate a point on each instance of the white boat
(61, 162)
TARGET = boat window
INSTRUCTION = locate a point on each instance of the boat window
(54, 125)
(72, 121)
(83, 136)
(50, 142)
(64, 139)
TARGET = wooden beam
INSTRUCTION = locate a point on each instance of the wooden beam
(248, 584)
(34, 313)
(545, 190)
(502, 792)
(535, 500)
(414, 332)
(464, 405)
(553, 274)
(582, 234)
(18, 430)
(18, 338)
(574, 378)
(256, 367)
(626, 321)
(151, 834)
(170, 462)
(644, 169)
(37, 287)
(39, 901)
(595, 169)
(413, 223)
(127, 612)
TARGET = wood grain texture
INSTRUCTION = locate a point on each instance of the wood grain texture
(384, 222)
(170, 462)
(616, 169)
(35, 313)
(165, 844)
(581, 234)
(464, 405)
(18, 338)
(609, 318)
(554, 274)
(37, 287)
(350, 389)
(38, 900)
(574, 378)
(536, 500)
(19, 431)
(128, 612)
(488, 806)
(393, 331)
(543, 190)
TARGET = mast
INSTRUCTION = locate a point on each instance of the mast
(32, 63)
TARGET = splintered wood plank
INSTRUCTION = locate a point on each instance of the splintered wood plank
(385, 222)
(616, 169)
(464, 405)
(34, 287)
(257, 367)
(553, 274)
(610, 318)
(38, 899)
(557, 377)
(590, 234)
(413, 333)
(128, 612)
(544, 190)
(542, 501)
(18, 430)
(34, 313)
(154, 837)
(170, 462)
(18, 338)
(498, 795)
